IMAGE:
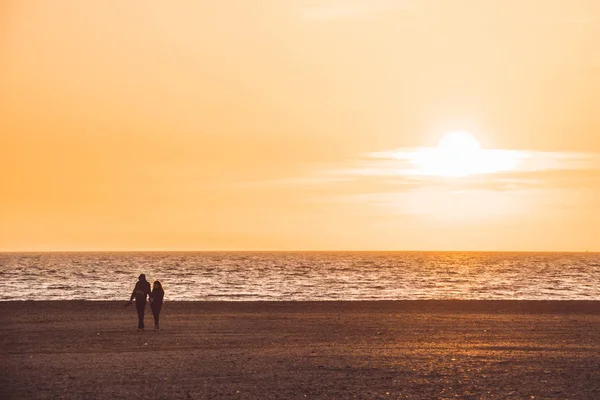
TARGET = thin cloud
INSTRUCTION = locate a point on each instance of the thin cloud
(390, 181)
(412, 162)
(416, 167)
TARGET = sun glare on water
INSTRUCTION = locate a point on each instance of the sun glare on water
(459, 154)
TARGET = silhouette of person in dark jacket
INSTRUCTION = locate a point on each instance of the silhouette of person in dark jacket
(156, 301)
(140, 292)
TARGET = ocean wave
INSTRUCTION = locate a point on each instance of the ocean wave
(304, 276)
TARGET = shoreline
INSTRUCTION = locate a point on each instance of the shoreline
(421, 306)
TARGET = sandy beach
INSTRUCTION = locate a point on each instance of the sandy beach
(296, 350)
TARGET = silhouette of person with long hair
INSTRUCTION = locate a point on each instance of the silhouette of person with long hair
(140, 292)
(156, 301)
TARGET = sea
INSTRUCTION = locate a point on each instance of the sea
(296, 276)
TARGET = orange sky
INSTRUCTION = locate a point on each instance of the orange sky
(280, 125)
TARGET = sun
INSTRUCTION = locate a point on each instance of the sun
(458, 142)
(459, 154)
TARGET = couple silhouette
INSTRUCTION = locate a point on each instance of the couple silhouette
(140, 293)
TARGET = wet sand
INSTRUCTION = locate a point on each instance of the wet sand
(297, 350)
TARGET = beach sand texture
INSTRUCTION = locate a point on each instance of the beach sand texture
(298, 350)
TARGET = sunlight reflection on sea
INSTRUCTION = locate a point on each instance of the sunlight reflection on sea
(283, 276)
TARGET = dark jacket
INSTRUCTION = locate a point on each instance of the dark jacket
(156, 297)
(141, 290)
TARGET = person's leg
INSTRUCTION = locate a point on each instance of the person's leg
(156, 314)
(141, 306)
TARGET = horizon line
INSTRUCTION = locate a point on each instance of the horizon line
(292, 251)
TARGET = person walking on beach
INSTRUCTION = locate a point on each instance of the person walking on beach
(140, 292)
(156, 301)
